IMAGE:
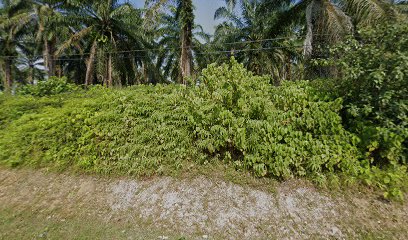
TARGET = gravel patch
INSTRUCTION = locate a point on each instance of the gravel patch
(202, 208)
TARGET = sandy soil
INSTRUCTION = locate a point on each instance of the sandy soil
(201, 208)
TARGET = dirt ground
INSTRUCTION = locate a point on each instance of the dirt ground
(35, 204)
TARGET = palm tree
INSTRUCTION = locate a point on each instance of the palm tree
(186, 16)
(187, 24)
(48, 31)
(329, 21)
(402, 6)
(324, 22)
(15, 17)
(169, 37)
(29, 62)
(107, 30)
(244, 36)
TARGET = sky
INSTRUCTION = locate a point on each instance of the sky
(204, 12)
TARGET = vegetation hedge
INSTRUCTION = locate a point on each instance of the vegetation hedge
(138, 130)
(275, 131)
(229, 114)
(374, 87)
(51, 86)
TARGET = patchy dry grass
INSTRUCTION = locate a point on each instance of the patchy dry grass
(32, 224)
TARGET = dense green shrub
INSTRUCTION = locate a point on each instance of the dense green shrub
(275, 131)
(374, 86)
(291, 130)
(12, 108)
(136, 131)
(52, 86)
(231, 114)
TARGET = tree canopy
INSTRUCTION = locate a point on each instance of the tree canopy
(115, 44)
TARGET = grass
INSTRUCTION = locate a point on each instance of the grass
(31, 224)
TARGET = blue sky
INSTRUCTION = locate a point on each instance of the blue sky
(204, 12)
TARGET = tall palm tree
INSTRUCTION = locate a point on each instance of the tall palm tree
(15, 17)
(48, 30)
(103, 28)
(186, 15)
(169, 37)
(402, 6)
(29, 63)
(187, 24)
(324, 22)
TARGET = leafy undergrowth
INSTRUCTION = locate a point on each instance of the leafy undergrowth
(137, 131)
(230, 115)
(374, 87)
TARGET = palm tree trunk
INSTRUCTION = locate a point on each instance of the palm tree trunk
(288, 68)
(2, 77)
(186, 39)
(145, 73)
(109, 78)
(46, 56)
(31, 74)
(90, 65)
(135, 79)
(51, 58)
(58, 70)
(308, 44)
(8, 75)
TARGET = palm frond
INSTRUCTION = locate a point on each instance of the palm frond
(369, 12)
(73, 39)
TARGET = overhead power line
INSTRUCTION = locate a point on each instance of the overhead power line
(68, 57)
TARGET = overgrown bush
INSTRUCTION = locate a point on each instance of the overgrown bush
(292, 130)
(135, 131)
(374, 87)
(275, 131)
(52, 86)
(375, 91)
(12, 108)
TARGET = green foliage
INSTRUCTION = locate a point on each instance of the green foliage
(374, 86)
(274, 131)
(135, 131)
(391, 179)
(229, 114)
(52, 86)
(278, 132)
(186, 12)
(12, 108)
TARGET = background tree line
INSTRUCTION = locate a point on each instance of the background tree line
(115, 44)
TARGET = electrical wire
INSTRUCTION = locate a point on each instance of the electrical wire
(68, 56)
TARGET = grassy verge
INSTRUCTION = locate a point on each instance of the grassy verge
(29, 224)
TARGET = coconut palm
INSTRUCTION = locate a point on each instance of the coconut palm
(324, 22)
(48, 31)
(329, 21)
(29, 63)
(402, 6)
